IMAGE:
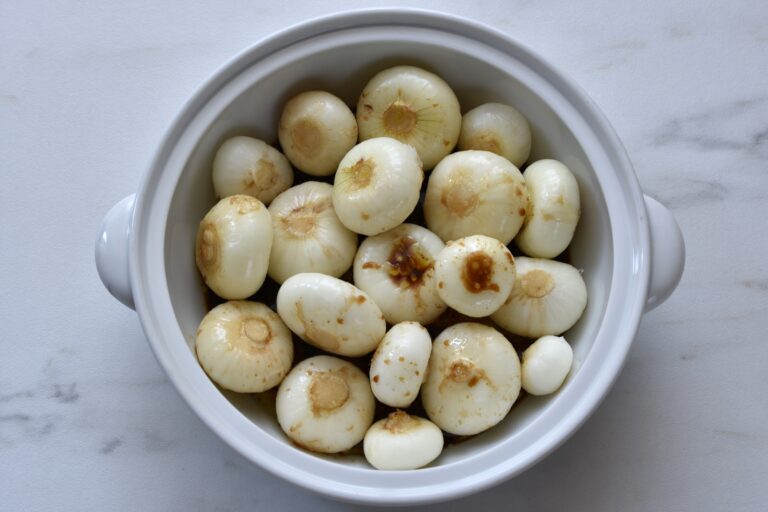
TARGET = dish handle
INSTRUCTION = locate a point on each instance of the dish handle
(112, 250)
(667, 253)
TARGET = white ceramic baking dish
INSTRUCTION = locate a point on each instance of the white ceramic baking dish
(629, 245)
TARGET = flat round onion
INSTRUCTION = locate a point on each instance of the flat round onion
(325, 404)
(475, 193)
(497, 128)
(316, 130)
(472, 380)
(308, 236)
(413, 106)
(244, 346)
(475, 275)
(397, 269)
(244, 165)
(548, 298)
(377, 185)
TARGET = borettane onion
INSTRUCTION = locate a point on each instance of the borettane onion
(399, 364)
(244, 165)
(325, 404)
(475, 193)
(244, 346)
(549, 297)
(413, 106)
(316, 130)
(330, 314)
(546, 363)
(308, 235)
(232, 248)
(401, 442)
(472, 380)
(475, 275)
(397, 269)
(554, 210)
(497, 128)
(377, 185)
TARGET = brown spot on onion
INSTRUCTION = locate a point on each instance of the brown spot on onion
(477, 273)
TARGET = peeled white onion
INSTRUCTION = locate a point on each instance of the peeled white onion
(233, 245)
(475, 275)
(402, 441)
(330, 314)
(244, 165)
(549, 297)
(497, 128)
(397, 269)
(325, 404)
(316, 130)
(377, 185)
(546, 363)
(472, 380)
(399, 364)
(413, 106)
(475, 193)
(244, 346)
(308, 236)
(554, 210)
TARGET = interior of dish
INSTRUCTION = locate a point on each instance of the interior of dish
(343, 67)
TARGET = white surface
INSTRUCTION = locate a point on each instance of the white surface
(88, 420)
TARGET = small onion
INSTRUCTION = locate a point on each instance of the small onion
(377, 185)
(554, 211)
(546, 363)
(472, 380)
(402, 441)
(475, 193)
(475, 275)
(244, 165)
(308, 236)
(232, 247)
(413, 106)
(399, 364)
(548, 298)
(497, 128)
(397, 269)
(244, 346)
(325, 404)
(316, 130)
(330, 314)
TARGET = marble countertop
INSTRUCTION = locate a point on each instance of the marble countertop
(88, 421)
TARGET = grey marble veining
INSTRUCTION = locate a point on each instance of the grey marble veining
(727, 127)
(88, 421)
